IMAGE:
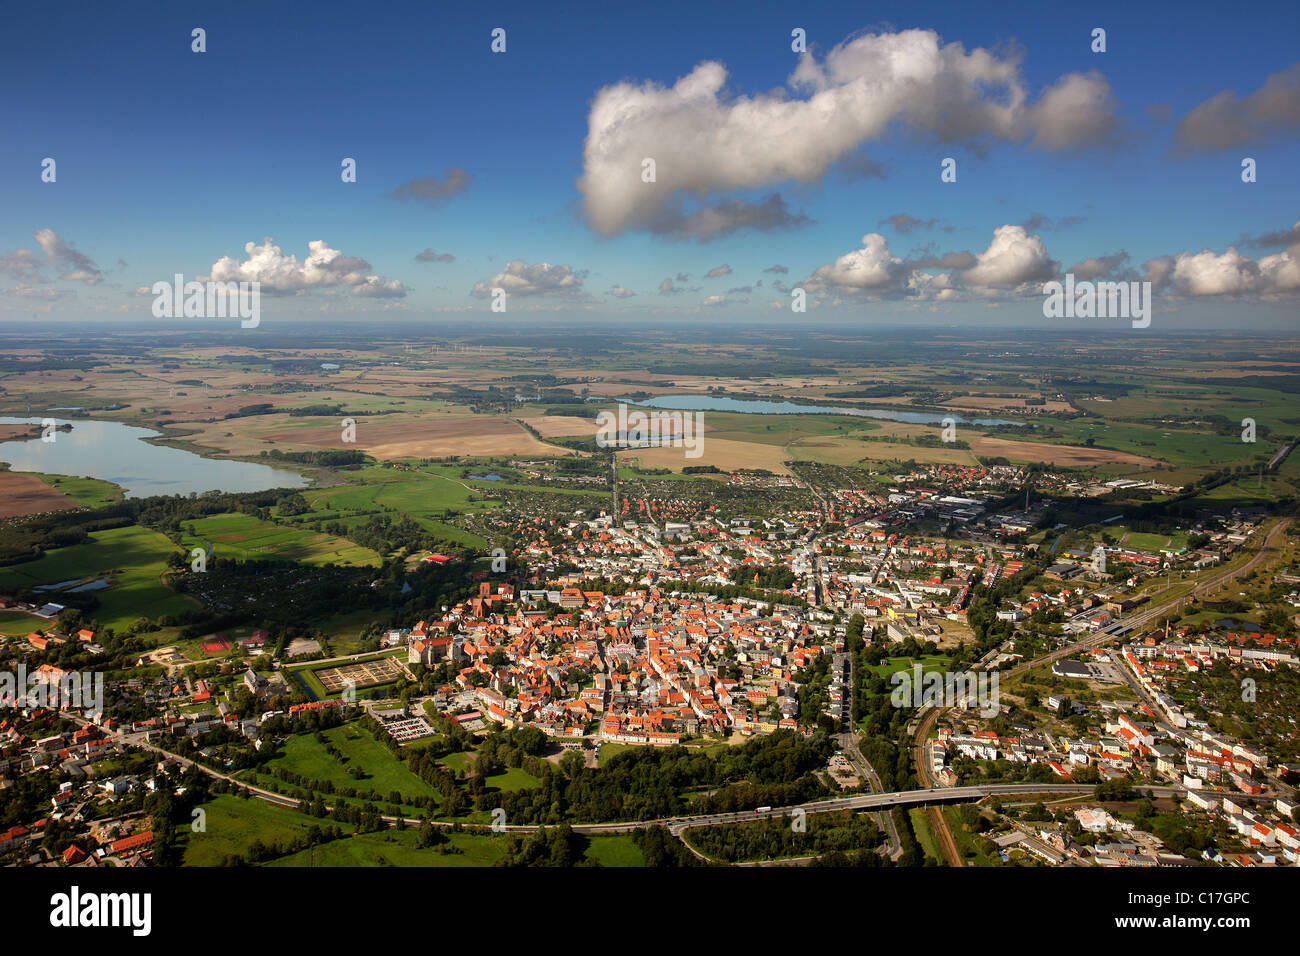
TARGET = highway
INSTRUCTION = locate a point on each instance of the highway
(848, 741)
(863, 801)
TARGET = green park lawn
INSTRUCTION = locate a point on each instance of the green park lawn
(615, 851)
(394, 847)
(232, 824)
(512, 779)
(307, 757)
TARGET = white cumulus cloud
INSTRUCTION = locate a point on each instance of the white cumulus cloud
(873, 268)
(1228, 273)
(1013, 258)
(706, 140)
(518, 278)
(323, 268)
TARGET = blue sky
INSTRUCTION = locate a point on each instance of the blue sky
(169, 160)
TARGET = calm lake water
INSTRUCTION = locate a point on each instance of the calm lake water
(1234, 624)
(709, 403)
(116, 452)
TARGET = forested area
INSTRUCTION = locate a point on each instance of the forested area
(649, 783)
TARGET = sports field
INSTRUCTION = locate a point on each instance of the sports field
(16, 623)
(931, 662)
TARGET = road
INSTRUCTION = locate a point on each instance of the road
(857, 802)
(849, 744)
(848, 739)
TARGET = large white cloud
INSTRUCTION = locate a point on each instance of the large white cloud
(873, 268)
(1076, 110)
(1016, 263)
(519, 278)
(1228, 273)
(324, 268)
(1013, 258)
(704, 140)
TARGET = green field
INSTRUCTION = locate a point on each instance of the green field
(711, 747)
(305, 756)
(971, 846)
(1178, 446)
(925, 835)
(251, 539)
(131, 559)
(781, 429)
(233, 823)
(88, 492)
(1153, 543)
(462, 762)
(512, 779)
(15, 623)
(428, 495)
(1209, 397)
(930, 662)
(394, 847)
(615, 851)
(1247, 492)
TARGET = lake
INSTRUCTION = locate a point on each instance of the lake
(118, 453)
(709, 403)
